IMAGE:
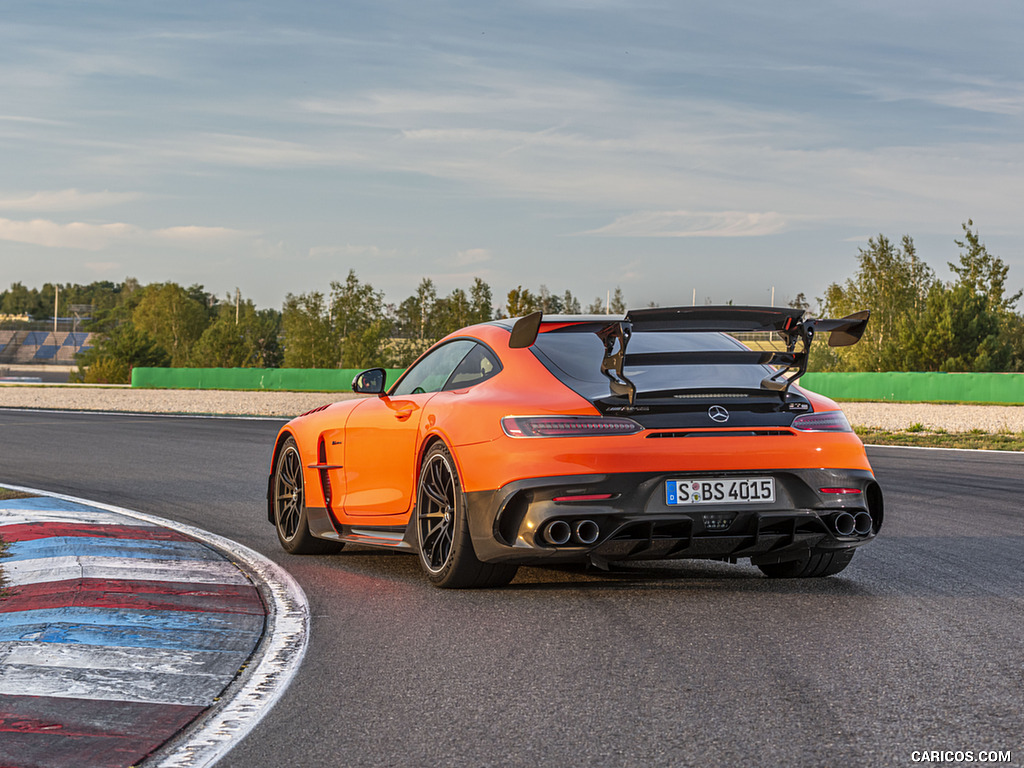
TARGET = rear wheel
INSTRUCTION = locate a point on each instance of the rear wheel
(290, 506)
(815, 563)
(442, 530)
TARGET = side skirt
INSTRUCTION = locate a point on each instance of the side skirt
(396, 537)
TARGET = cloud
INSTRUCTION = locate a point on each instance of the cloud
(96, 237)
(973, 94)
(252, 151)
(66, 200)
(363, 251)
(30, 120)
(471, 256)
(199, 235)
(103, 267)
(89, 237)
(693, 224)
(1005, 103)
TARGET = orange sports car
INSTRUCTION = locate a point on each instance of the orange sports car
(589, 439)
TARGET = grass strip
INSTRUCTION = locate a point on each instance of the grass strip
(7, 494)
(975, 439)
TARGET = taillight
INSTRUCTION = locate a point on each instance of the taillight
(827, 421)
(840, 491)
(567, 426)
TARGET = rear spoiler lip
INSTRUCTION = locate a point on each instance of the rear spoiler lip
(726, 318)
(615, 332)
(703, 319)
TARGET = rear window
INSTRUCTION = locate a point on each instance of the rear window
(575, 358)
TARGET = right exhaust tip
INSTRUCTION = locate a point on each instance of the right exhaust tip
(587, 531)
(863, 523)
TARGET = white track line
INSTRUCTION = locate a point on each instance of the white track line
(269, 672)
(43, 569)
(939, 448)
(238, 416)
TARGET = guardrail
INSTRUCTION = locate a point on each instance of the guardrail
(288, 379)
(915, 387)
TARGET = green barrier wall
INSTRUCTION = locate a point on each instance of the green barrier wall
(919, 387)
(895, 386)
(288, 379)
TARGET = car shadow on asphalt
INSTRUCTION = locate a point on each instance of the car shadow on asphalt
(679, 575)
(687, 576)
(960, 566)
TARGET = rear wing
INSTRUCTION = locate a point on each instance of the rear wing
(796, 331)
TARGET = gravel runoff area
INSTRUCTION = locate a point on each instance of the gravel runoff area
(192, 401)
(886, 416)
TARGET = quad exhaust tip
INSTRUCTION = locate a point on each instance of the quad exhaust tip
(862, 523)
(557, 532)
(587, 531)
(847, 524)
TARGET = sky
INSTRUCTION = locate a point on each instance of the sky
(681, 151)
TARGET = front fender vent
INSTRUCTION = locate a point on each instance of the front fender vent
(325, 478)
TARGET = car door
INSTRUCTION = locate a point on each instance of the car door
(382, 436)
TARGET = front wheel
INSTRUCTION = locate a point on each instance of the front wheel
(815, 563)
(442, 530)
(290, 506)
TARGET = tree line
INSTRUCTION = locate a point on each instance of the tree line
(918, 323)
(349, 326)
(921, 323)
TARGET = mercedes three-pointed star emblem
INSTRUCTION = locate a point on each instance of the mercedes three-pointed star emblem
(718, 413)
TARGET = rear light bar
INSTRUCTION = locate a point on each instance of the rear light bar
(840, 490)
(568, 426)
(826, 421)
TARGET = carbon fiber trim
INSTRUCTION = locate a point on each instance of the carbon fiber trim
(636, 521)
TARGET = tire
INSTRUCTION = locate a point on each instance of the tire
(442, 529)
(290, 506)
(813, 565)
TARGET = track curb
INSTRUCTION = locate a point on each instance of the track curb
(262, 680)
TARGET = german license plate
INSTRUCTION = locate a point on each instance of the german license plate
(720, 490)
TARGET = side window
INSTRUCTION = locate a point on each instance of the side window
(478, 365)
(431, 373)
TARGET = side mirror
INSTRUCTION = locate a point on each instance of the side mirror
(370, 382)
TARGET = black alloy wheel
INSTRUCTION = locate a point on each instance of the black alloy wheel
(290, 506)
(435, 511)
(442, 530)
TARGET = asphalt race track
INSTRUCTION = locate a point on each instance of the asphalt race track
(916, 646)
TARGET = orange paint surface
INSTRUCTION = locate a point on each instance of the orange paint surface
(380, 441)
